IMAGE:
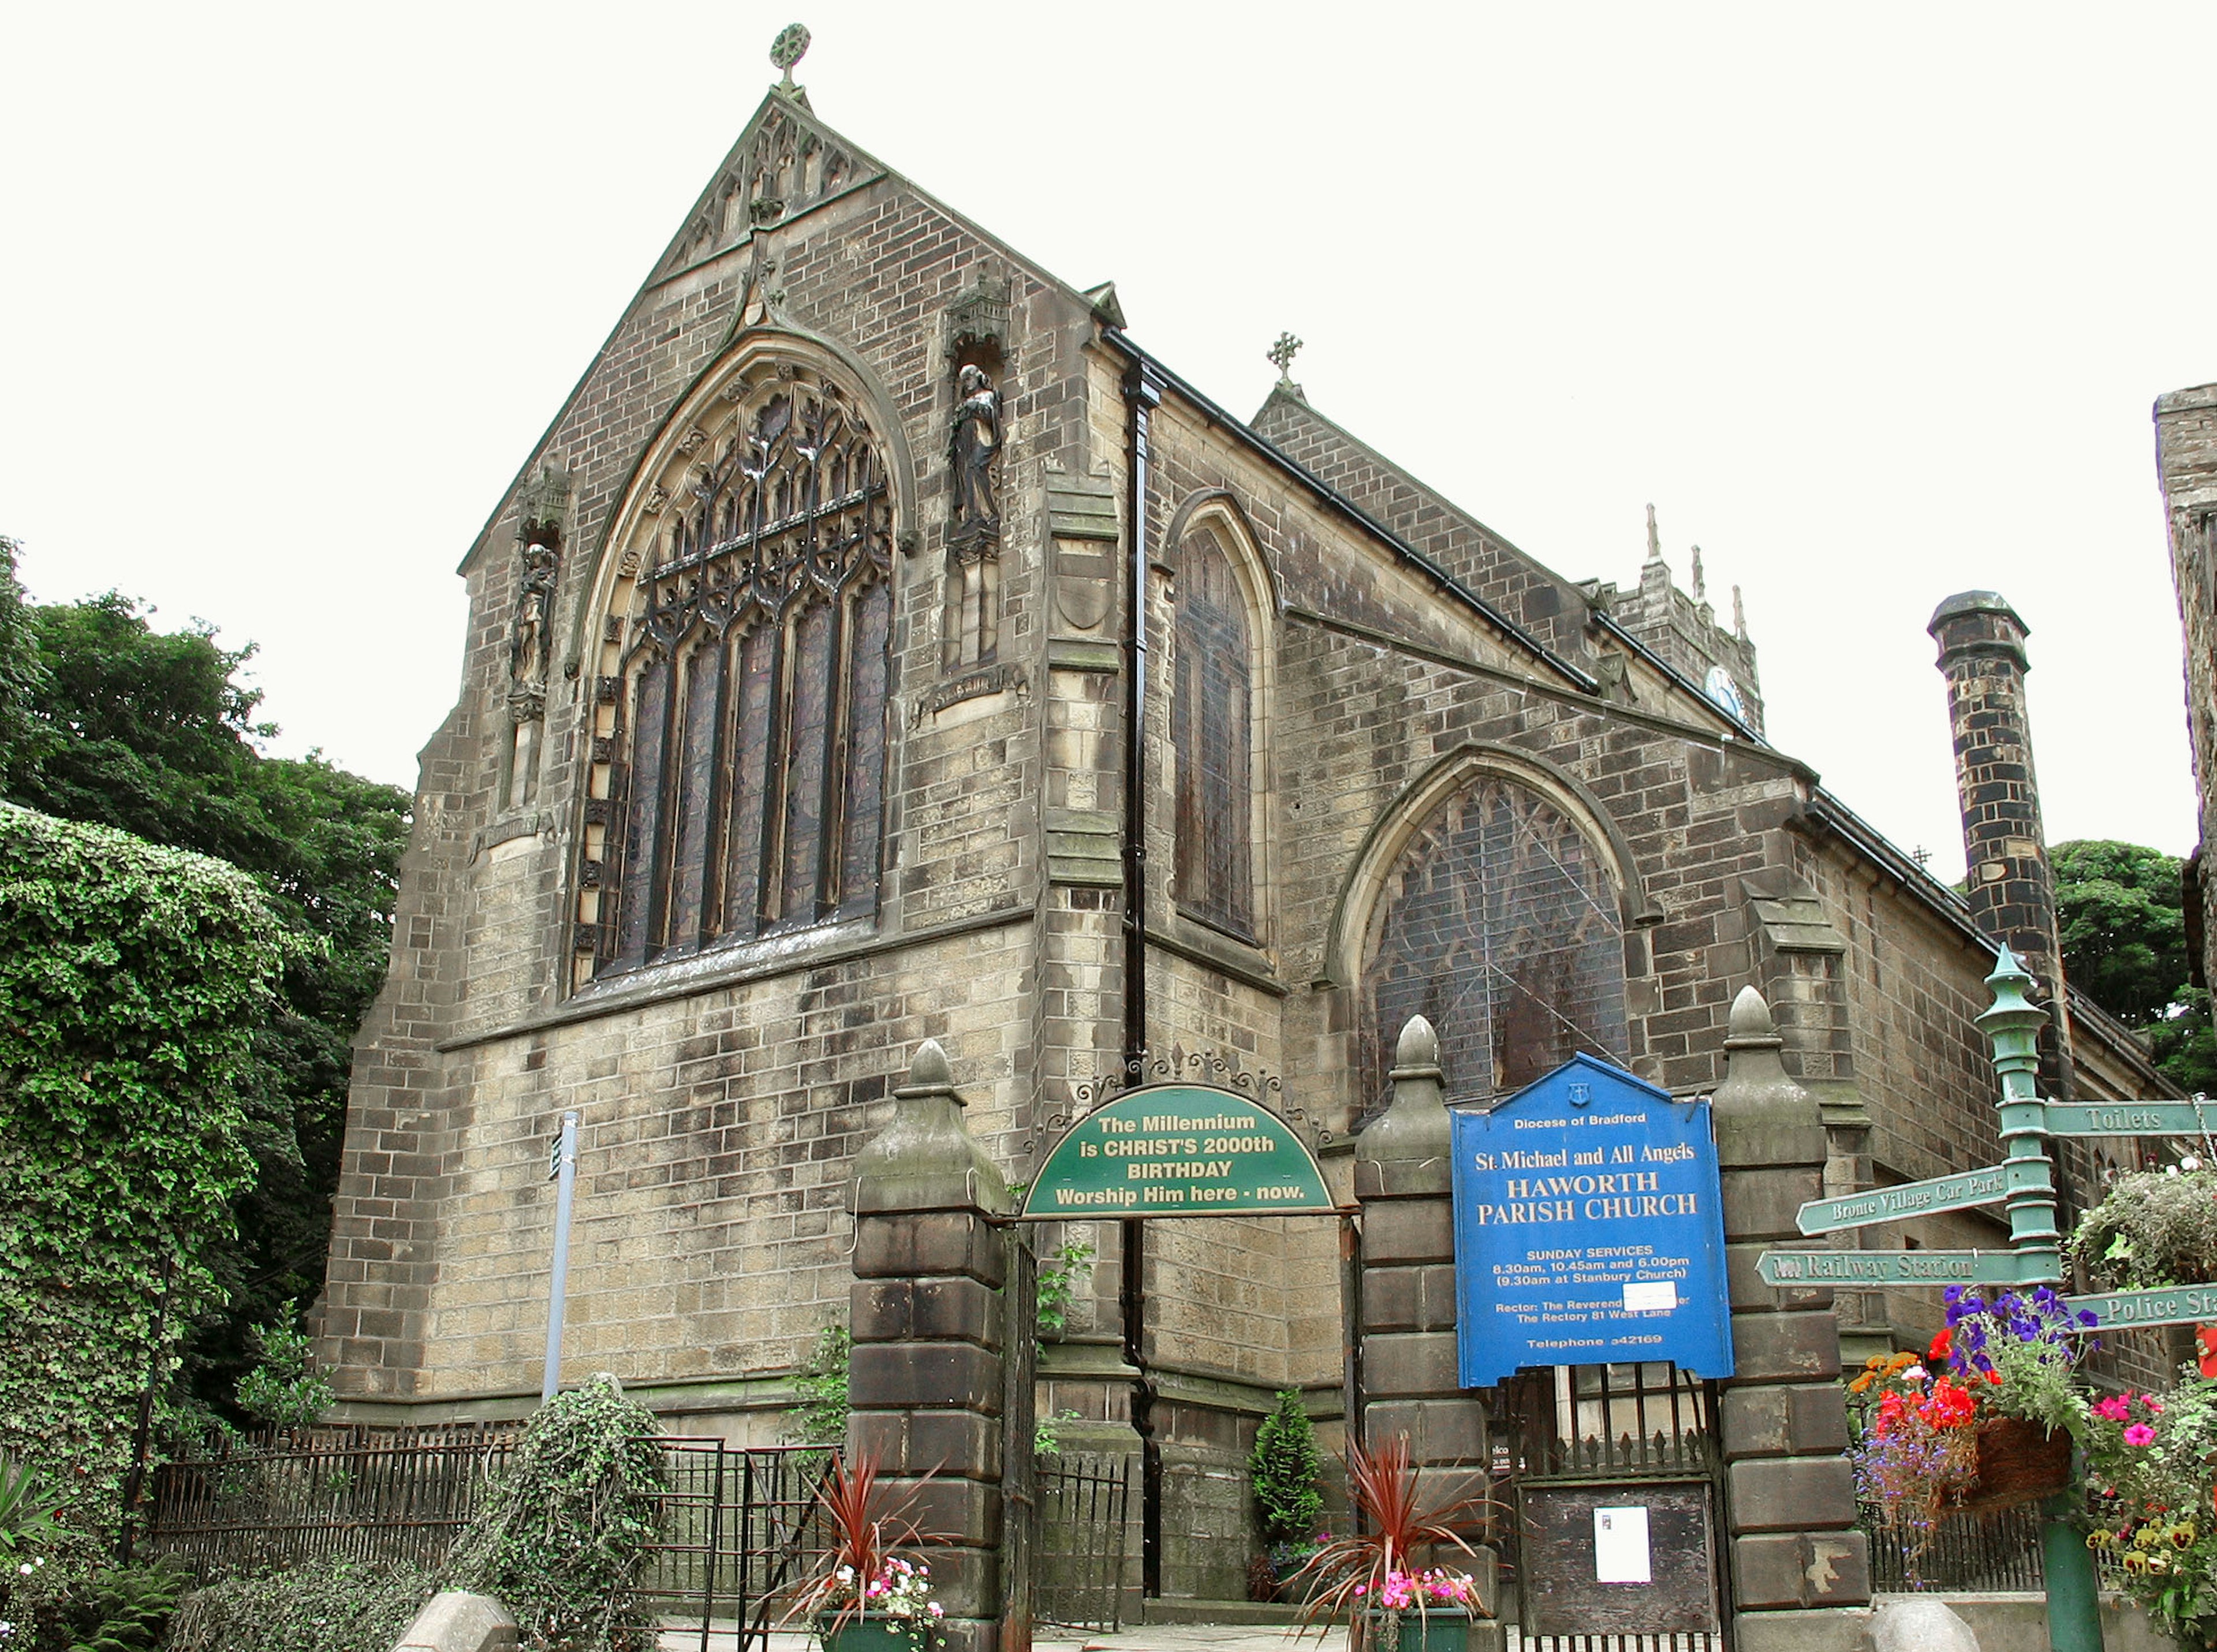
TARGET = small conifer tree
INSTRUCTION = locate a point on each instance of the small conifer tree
(1286, 1468)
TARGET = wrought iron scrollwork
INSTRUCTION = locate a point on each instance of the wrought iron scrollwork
(1179, 1065)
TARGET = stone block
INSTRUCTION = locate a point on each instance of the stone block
(957, 1444)
(454, 1621)
(960, 1513)
(1790, 1493)
(933, 1310)
(1918, 1623)
(1401, 1231)
(1801, 1569)
(1785, 1347)
(1439, 1431)
(894, 1376)
(1763, 1204)
(927, 1243)
(1786, 1419)
(1821, 1629)
(1410, 1362)
(1420, 1299)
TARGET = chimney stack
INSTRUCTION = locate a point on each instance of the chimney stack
(2011, 889)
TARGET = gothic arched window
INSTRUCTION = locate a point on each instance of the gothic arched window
(1500, 926)
(1211, 728)
(748, 773)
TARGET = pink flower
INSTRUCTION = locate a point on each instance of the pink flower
(2140, 1434)
(2115, 1408)
(2153, 1403)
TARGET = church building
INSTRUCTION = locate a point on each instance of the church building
(881, 645)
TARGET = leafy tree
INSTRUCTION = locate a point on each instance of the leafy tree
(1286, 1468)
(156, 733)
(131, 987)
(2124, 946)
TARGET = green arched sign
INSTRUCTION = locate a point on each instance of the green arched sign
(1178, 1150)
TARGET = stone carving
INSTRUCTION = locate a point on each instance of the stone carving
(790, 47)
(535, 602)
(975, 445)
(1281, 355)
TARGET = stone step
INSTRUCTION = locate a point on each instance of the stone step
(1180, 1610)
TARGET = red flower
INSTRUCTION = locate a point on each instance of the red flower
(2206, 1336)
(1941, 1345)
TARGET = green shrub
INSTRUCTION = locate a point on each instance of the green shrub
(561, 1535)
(335, 1605)
(1286, 1467)
(62, 1608)
(131, 986)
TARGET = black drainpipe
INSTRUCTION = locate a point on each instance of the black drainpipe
(1141, 396)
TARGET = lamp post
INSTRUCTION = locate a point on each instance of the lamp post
(562, 1171)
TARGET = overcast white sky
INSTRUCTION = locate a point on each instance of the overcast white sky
(1870, 301)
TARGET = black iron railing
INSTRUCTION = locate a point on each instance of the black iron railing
(287, 1499)
(1999, 1551)
(1079, 1558)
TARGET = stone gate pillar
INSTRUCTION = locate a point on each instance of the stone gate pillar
(1409, 1384)
(1800, 1569)
(929, 1322)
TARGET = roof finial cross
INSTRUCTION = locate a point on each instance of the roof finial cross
(1281, 354)
(788, 49)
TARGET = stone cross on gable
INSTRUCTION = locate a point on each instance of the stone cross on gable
(1281, 355)
(788, 48)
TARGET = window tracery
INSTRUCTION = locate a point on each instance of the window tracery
(1500, 925)
(744, 784)
(1211, 731)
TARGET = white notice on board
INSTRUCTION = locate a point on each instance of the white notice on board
(1621, 1546)
(1647, 1296)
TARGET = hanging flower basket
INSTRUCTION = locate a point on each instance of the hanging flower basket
(2019, 1462)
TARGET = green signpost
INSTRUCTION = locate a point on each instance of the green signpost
(2025, 1180)
(1178, 1150)
(1958, 1193)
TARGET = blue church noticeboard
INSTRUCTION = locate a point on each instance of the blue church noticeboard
(1589, 1229)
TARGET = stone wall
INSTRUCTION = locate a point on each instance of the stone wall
(2186, 468)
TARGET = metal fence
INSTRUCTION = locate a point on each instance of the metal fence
(1079, 1559)
(1999, 1551)
(286, 1500)
(740, 1525)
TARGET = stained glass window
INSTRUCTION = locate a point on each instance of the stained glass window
(749, 778)
(1501, 928)
(1211, 708)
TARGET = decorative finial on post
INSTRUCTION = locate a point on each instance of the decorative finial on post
(1281, 355)
(1654, 539)
(788, 49)
(1739, 616)
(1701, 581)
(2013, 1024)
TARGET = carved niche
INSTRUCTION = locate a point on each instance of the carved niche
(542, 511)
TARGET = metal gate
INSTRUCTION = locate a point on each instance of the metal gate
(1078, 1559)
(1613, 1472)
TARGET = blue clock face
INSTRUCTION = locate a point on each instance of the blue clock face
(1720, 686)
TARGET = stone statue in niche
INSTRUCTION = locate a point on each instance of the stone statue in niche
(528, 635)
(976, 443)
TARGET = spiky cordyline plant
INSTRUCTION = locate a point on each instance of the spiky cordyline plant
(864, 1536)
(1351, 1572)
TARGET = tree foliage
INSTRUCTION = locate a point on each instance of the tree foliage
(2123, 928)
(131, 989)
(156, 733)
(1286, 1467)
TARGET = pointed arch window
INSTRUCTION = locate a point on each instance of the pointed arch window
(1500, 925)
(748, 764)
(1212, 729)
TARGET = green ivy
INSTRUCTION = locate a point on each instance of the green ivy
(561, 1535)
(820, 1419)
(1065, 1273)
(287, 1390)
(331, 1606)
(132, 983)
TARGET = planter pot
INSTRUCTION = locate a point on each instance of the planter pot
(1441, 1629)
(872, 1634)
(2019, 1462)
